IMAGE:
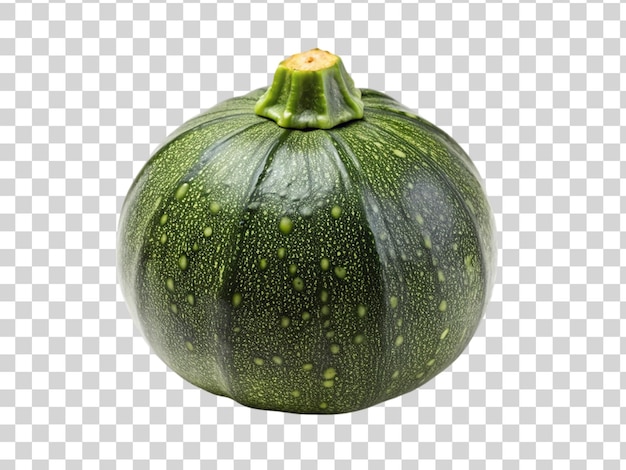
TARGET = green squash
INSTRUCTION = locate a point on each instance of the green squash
(310, 248)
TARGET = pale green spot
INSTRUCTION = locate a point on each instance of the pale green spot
(306, 316)
(420, 374)
(395, 374)
(440, 276)
(208, 231)
(237, 329)
(330, 334)
(173, 308)
(295, 393)
(281, 253)
(330, 373)
(399, 153)
(195, 247)
(455, 246)
(277, 360)
(430, 363)
(325, 264)
(326, 324)
(399, 340)
(298, 284)
(340, 272)
(427, 243)
(393, 301)
(188, 345)
(191, 299)
(181, 191)
(215, 207)
(263, 263)
(334, 348)
(469, 262)
(285, 225)
(236, 299)
(361, 310)
(444, 334)
(284, 322)
(419, 219)
(323, 405)
(258, 361)
(324, 296)
(163, 238)
(170, 284)
(325, 310)
(336, 212)
(307, 366)
(443, 305)
(163, 219)
(293, 269)
(306, 211)
(358, 339)
(399, 322)
(328, 383)
(183, 262)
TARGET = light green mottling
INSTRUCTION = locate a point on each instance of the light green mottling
(181, 191)
(285, 225)
(340, 272)
(427, 242)
(215, 207)
(361, 310)
(298, 284)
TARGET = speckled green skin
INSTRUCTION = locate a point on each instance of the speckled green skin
(316, 271)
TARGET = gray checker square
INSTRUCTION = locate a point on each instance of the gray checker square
(534, 92)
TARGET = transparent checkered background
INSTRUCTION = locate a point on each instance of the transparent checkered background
(534, 93)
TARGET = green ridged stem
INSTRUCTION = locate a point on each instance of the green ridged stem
(311, 90)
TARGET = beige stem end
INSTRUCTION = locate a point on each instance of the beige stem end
(315, 59)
